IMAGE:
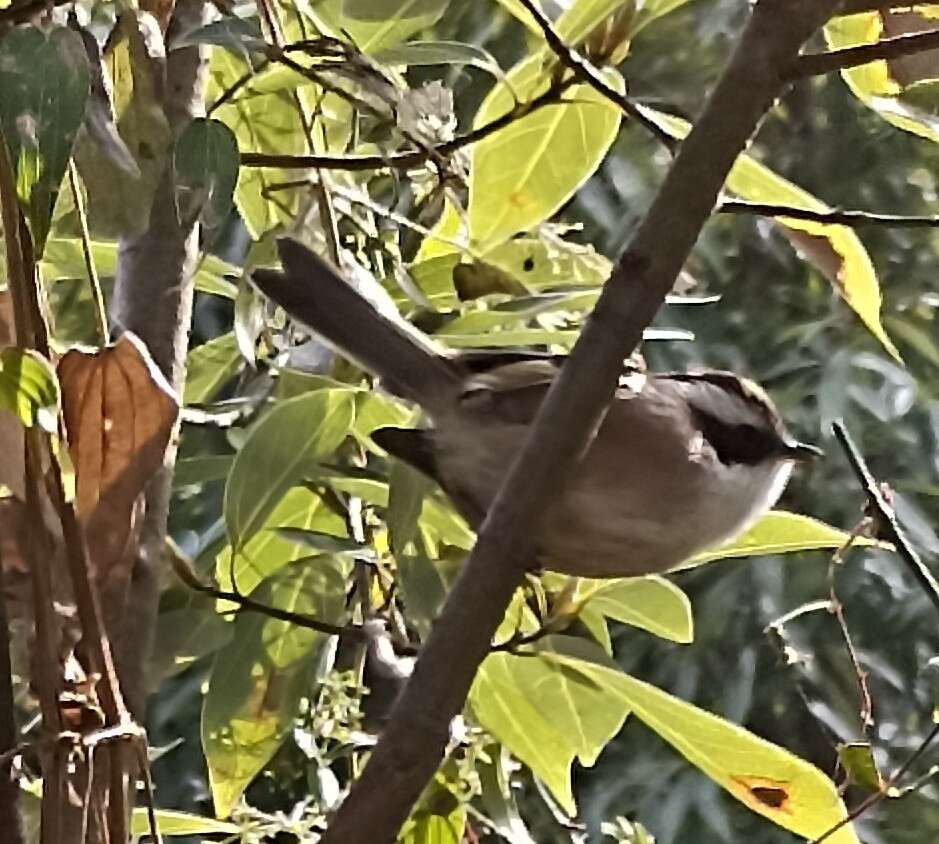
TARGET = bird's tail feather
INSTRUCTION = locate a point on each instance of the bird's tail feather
(314, 293)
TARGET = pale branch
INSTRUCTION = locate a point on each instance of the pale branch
(817, 64)
(411, 158)
(884, 515)
(586, 73)
(829, 216)
(884, 790)
(153, 298)
(412, 745)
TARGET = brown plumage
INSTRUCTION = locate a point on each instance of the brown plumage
(681, 462)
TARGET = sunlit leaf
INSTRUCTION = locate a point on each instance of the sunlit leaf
(170, 822)
(546, 715)
(779, 532)
(209, 366)
(257, 682)
(650, 603)
(374, 25)
(524, 173)
(29, 388)
(766, 778)
(279, 450)
(274, 546)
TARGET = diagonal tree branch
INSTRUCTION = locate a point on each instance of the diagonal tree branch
(413, 743)
(816, 64)
(832, 216)
(585, 72)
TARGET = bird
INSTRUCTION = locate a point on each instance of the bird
(682, 461)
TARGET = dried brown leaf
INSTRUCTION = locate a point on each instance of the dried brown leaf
(119, 413)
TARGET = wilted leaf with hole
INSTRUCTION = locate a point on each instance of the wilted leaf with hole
(205, 162)
(766, 778)
(258, 680)
(898, 89)
(43, 89)
(119, 413)
(843, 260)
(119, 201)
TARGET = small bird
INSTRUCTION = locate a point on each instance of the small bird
(682, 462)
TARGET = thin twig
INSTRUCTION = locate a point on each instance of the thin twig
(586, 73)
(189, 578)
(885, 514)
(832, 216)
(865, 712)
(816, 64)
(877, 796)
(412, 158)
(97, 296)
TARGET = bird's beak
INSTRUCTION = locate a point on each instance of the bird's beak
(803, 452)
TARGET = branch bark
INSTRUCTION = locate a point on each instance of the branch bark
(816, 64)
(413, 743)
(153, 298)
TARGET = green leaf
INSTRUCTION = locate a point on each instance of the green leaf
(64, 258)
(779, 532)
(651, 603)
(170, 822)
(184, 636)
(29, 388)
(201, 470)
(209, 366)
(43, 90)
(279, 450)
(374, 25)
(258, 681)
(545, 714)
(424, 584)
(836, 251)
(427, 828)
(205, 163)
(768, 779)
(406, 490)
(272, 548)
(524, 173)
(264, 118)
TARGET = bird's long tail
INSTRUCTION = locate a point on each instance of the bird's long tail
(314, 293)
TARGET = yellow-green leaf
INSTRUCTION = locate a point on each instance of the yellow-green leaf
(546, 715)
(258, 680)
(650, 603)
(29, 388)
(766, 778)
(278, 451)
(170, 822)
(524, 173)
(779, 532)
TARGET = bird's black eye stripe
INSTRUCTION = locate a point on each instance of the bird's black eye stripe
(738, 444)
